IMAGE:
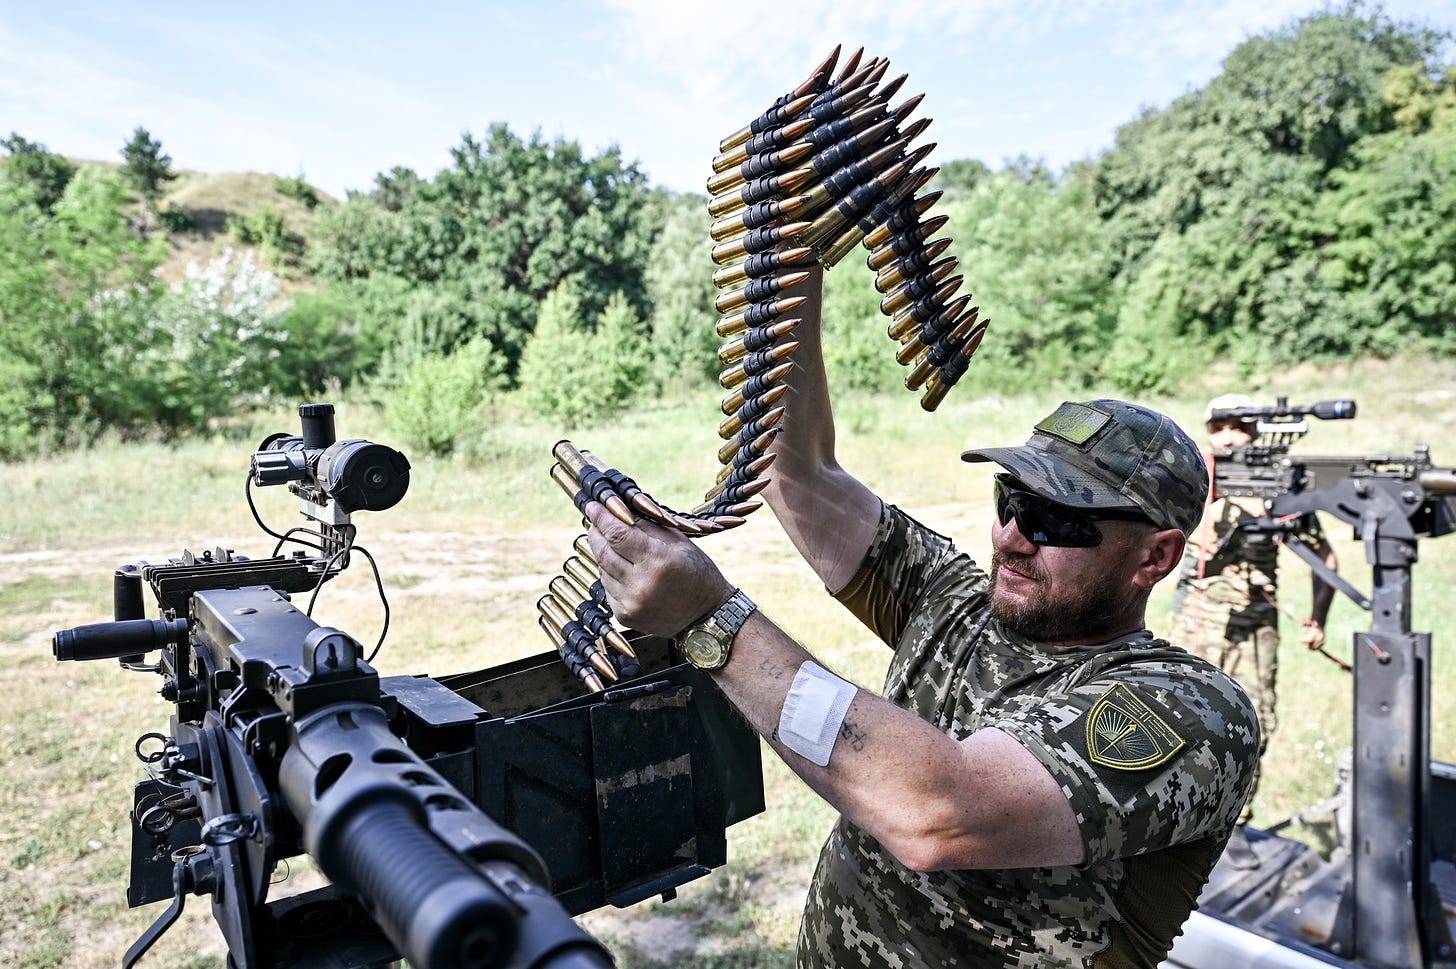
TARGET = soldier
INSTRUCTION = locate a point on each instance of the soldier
(1226, 605)
(1043, 783)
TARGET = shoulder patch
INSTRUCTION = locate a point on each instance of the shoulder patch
(1074, 423)
(1124, 733)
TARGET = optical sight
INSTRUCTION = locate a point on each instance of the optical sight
(1325, 410)
(357, 475)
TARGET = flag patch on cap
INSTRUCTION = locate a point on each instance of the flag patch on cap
(1074, 423)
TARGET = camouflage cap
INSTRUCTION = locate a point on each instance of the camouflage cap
(1111, 454)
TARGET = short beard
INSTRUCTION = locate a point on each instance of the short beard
(1083, 617)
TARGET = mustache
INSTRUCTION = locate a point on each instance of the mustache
(1027, 565)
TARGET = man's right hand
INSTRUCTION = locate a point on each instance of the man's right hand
(657, 580)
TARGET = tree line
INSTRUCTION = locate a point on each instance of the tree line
(1301, 206)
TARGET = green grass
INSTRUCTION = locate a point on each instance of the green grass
(465, 556)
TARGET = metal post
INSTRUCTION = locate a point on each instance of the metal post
(1391, 882)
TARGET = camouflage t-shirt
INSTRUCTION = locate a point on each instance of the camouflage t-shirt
(1152, 747)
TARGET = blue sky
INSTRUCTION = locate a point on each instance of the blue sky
(338, 92)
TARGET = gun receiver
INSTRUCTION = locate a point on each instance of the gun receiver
(1416, 496)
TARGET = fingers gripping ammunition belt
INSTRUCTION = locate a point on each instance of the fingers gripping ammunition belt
(828, 167)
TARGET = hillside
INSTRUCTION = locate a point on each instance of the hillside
(214, 202)
(217, 201)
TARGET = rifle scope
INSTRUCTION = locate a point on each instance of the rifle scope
(356, 474)
(1325, 410)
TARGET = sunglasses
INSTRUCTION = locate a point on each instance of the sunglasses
(1045, 522)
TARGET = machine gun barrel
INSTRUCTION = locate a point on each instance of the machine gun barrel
(1269, 472)
(1438, 481)
(449, 886)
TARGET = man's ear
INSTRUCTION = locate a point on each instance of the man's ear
(1162, 552)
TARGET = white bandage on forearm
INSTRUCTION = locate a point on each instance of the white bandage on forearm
(813, 712)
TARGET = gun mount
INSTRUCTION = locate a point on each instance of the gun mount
(1390, 901)
(461, 821)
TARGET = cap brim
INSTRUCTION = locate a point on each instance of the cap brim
(1052, 477)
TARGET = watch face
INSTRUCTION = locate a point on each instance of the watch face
(704, 648)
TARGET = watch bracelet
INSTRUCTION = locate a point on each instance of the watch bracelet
(704, 617)
(741, 608)
(731, 625)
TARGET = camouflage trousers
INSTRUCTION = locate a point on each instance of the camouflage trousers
(1250, 654)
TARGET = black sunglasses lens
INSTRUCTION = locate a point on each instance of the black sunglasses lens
(1043, 521)
(1003, 501)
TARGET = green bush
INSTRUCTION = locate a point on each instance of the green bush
(551, 377)
(679, 283)
(620, 353)
(44, 173)
(437, 406)
(146, 167)
(298, 189)
(322, 344)
(174, 219)
(265, 229)
(570, 372)
(857, 353)
(77, 289)
(211, 343)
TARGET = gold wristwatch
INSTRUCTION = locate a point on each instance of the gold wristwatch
(705, 644)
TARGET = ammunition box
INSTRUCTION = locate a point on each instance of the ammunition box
(625, 794)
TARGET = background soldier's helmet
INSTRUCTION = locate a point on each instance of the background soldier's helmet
(1229, 402)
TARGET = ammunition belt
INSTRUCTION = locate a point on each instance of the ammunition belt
(826, 168)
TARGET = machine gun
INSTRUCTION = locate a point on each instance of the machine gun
(1292, 484)
(453, 835)
(1383, 904)
(1267, 469)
